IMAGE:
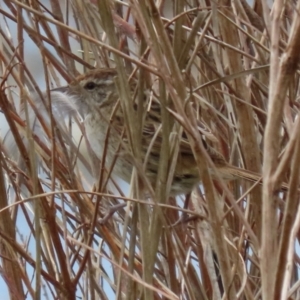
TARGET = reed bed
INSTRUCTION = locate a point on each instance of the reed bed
(70, 231)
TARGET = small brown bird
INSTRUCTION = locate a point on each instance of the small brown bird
(95, 96)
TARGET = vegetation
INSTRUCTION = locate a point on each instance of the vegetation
(64, 233)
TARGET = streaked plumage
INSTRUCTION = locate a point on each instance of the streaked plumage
(95, 95)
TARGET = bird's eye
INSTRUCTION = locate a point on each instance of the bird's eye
(90, 85)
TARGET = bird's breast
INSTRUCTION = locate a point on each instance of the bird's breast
(102, 135)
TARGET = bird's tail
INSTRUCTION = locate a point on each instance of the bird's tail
(237, 173)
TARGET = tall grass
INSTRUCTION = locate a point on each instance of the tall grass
(64, 232)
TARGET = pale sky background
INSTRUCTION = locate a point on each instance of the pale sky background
(34, 63)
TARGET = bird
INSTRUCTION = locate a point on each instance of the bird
(95, 96)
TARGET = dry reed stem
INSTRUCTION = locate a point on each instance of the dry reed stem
(226, 64)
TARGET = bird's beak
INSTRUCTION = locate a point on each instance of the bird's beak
(63, 89)
(66, 97)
